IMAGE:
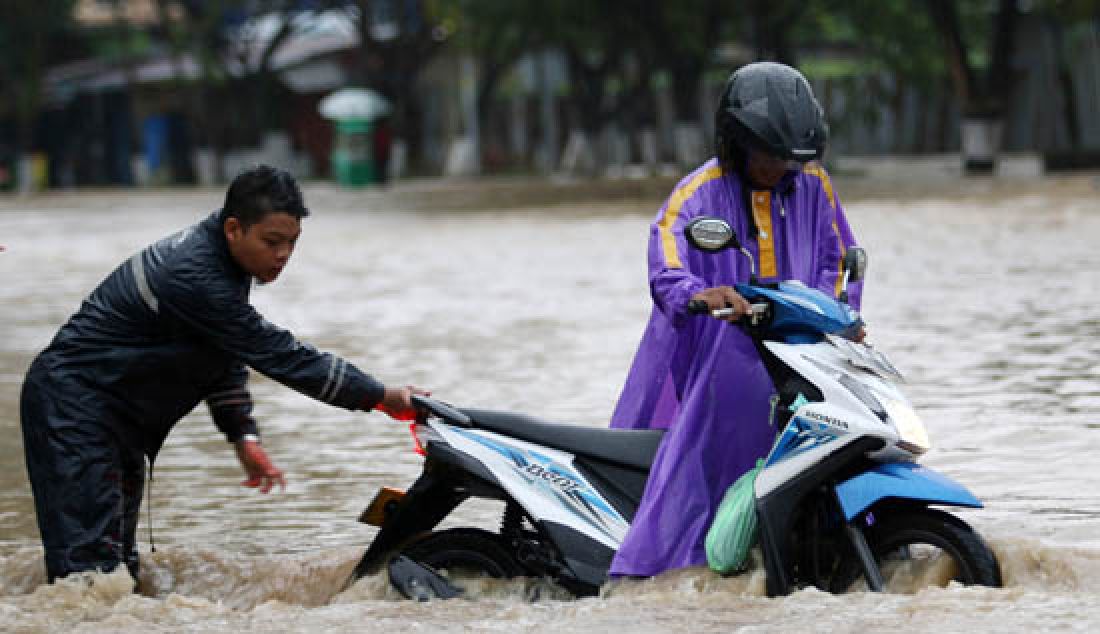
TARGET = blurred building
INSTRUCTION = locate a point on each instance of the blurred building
(146, 118)
(168, 114)
(142, 118)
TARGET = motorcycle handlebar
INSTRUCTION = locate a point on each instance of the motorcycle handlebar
(699, 307)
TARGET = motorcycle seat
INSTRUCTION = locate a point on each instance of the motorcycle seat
(633, 448)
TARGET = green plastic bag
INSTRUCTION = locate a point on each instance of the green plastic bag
(733, 532)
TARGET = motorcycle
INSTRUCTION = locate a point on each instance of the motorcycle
(841, 502)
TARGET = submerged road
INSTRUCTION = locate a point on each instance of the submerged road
(983, 293)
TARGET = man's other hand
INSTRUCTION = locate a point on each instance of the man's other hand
(254, 461)
(721, 297)
(397, 402)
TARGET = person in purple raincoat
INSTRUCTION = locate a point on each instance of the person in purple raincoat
(699, 377)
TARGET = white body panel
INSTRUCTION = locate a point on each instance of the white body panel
(838, 420)
(772, 477)
(543, 480)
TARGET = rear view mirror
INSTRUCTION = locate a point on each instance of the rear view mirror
(855, 264)
(711, 234)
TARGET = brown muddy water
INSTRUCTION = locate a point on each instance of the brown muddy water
(494, 296)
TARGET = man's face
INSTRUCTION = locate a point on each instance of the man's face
(263, 249)
(766, 170)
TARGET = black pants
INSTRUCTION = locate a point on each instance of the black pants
(87, 485)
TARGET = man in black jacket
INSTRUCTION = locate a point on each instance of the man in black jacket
(170, 327)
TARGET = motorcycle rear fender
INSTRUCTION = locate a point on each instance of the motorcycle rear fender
(448, 479)
(900, 481)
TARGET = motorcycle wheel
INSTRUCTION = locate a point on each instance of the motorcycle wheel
(916, 548)
(465, 552)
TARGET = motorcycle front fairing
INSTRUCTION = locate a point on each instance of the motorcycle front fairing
(800, 314)
(826, 433)
(837, 398)
(900, 481)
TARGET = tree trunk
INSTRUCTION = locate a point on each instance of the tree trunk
(982, 101)
(999, 82)
(771, 24)
(1066, 84)
(897, 107)
(945, 15)
(392, 66)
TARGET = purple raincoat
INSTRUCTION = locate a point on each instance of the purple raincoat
(701, 378)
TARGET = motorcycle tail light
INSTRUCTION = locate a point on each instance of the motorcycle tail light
(418, 444)
(423, 435)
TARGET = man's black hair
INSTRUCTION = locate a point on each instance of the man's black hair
(261, 190)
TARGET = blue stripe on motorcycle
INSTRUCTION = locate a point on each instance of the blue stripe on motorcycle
(799, 436)
(904, 481)
(504, 450)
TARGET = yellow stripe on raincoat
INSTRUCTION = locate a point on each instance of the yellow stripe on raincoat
(815, 169)
(672, 212)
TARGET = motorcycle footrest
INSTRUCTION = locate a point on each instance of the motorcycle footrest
(419, 582)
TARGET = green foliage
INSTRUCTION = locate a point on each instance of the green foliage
(1070, 11)
(116, 47)
(31, 37)
(478, 26)
(617, 50)
(895, 36)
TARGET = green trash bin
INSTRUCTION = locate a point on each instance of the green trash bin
(352, 158)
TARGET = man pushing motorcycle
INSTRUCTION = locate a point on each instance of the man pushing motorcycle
(170, 327)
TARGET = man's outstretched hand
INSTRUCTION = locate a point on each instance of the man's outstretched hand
(397, 402)
(254, 461)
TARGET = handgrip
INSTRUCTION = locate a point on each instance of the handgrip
(760, 312)
(442, 410)
(698, 307)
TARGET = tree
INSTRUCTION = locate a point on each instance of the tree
(610, 72)
(614, 51)
(772, 22)
(397, 39)
(682, 37)
(895, 51)
(32, 35)
(236, 96)
(1060, 14)
(981, 93)
(983, 96)
(497, 33)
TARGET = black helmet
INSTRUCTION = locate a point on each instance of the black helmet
(770, 107)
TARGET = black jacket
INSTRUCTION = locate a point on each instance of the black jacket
(173, 326)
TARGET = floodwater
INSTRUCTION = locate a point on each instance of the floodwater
(502, 297)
